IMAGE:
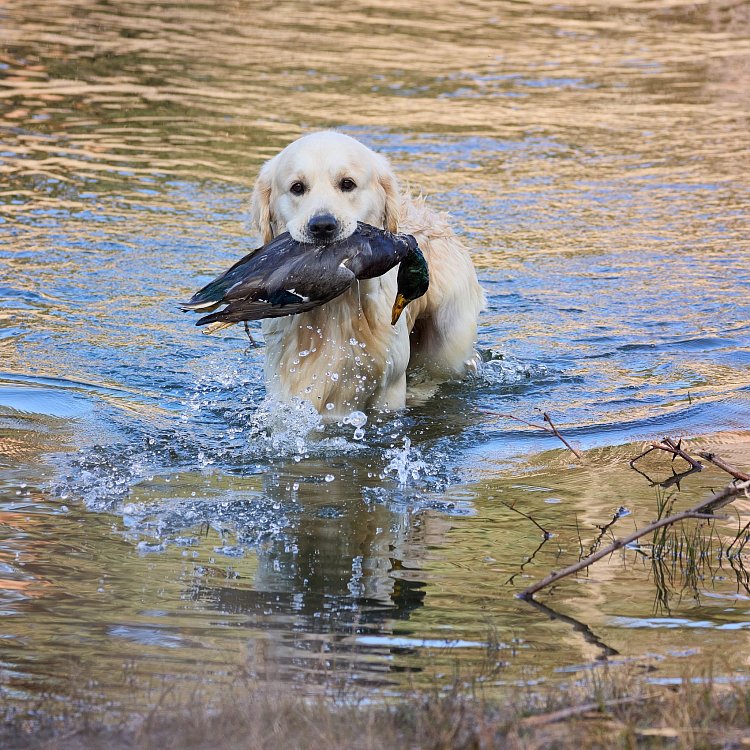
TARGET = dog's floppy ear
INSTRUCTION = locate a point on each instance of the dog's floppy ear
(260, 203)
(389, 184)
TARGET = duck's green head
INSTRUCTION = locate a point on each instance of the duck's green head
(413, 280)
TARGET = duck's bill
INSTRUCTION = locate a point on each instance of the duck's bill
(398, 307)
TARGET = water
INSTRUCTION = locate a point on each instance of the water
(161, 520)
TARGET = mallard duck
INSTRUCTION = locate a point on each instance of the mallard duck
(286, 277)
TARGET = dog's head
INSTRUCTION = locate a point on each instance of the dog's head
(320, 186)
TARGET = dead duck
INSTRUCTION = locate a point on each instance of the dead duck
(286, 277)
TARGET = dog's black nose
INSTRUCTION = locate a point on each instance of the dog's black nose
(322, 227)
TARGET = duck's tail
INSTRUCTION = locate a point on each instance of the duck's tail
(216, 326)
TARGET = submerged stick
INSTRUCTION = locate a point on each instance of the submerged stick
(551, 429)
(703, 510)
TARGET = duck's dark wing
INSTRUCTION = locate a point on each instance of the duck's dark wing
(250, 272)
(307, 279)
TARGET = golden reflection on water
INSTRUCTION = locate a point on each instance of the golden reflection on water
(170, 88)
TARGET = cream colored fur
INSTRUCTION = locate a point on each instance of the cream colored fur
(346, 355)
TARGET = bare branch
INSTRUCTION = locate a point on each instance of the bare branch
(551, 428)
(701, 511)
(670, 446)
(549, 421)
(619, 513)
(724, 466)
(641, 455)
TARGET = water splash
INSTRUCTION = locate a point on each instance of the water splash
(102, 477)
(499, 369)
(406, 464)
(241, 520)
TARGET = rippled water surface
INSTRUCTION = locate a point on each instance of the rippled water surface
(159, 518)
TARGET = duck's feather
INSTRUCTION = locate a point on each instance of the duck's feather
(286, 277)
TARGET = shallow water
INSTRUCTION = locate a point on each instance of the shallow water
(161, 521)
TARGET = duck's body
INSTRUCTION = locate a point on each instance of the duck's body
(286, 277)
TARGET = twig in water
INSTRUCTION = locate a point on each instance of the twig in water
(580, 541)
(529, 559)
(670, 446)
(551, 428)
(703, 510)
(556, 432)
(547, 534)
(604, 528)
(724, 466)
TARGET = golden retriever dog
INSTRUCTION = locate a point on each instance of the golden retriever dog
(346, 355)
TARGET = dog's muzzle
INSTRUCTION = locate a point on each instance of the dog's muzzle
(323, 227)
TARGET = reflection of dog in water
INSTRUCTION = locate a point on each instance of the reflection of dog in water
(346, 355)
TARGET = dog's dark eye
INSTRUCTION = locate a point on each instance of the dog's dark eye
(297, 188)
(347, 185)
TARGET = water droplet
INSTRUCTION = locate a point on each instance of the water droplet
(358, 419)
(329, 477)
(359, 433)
(329, 406)
(304, 353)
(334, 376)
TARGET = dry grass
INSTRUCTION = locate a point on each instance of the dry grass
(613, 709)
